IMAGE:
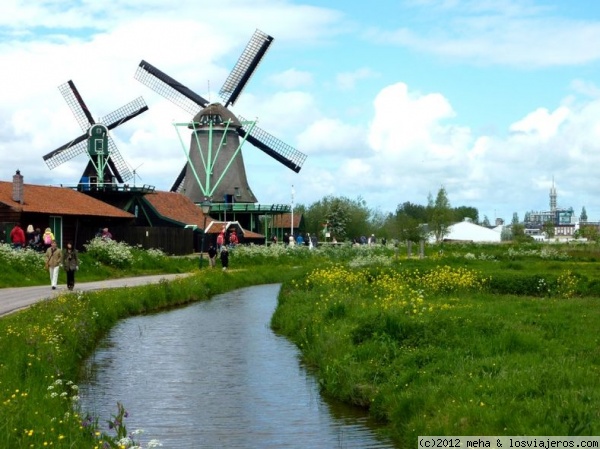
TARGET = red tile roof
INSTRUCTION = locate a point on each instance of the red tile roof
(215, 227)
(58, 201)
(285, 220)
(177, 207)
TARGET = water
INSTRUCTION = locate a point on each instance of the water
(214, 375)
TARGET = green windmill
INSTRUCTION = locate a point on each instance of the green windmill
(105, 165)
(215, 166)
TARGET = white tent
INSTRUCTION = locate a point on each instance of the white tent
(467, 231)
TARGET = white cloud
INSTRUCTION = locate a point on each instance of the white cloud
(497, 32)
(387, 142)
(334, 137)
(541, 124)
(348, 80)
(404, 122)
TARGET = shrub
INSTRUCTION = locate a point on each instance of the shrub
(110, 252)
(23, 260)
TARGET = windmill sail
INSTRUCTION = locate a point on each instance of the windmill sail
(115, 165)
(215, 167)
(245, 67)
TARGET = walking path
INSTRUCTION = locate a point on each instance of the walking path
(13, 299)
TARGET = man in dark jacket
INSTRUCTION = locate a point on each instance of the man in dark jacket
(224, 258)
(212, 256)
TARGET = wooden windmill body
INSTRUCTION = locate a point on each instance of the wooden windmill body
(215, 167)
(214, 141)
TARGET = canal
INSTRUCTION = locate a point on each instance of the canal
(214, 375)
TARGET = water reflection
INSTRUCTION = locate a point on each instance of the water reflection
(213, 375)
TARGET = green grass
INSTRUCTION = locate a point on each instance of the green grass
(478, 339)
(26, 268)
(465, 361)
(43, 347)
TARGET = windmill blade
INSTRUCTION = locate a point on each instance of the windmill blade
(169, 88)
(245, 67)
(278, 150)
(117, 163)
(77, 105)
(179, 181)
(124, 113)
(66, 152)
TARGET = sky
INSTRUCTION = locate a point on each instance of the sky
(493, 100)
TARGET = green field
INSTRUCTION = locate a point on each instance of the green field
(469, 340)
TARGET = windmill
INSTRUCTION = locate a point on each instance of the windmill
(215, 167)
(105, 162)
(135, 173)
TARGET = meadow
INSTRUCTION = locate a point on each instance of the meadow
(474, 340)
(470, 340)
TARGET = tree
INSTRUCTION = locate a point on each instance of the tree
(583, 217)
(408, 228)
(486, 221)
(462, 212)
(415, 211)
(518, 230)
(440, 215)
(344, 217)
(337, 218)
(589, 232)
(515, 219)
(548, 228)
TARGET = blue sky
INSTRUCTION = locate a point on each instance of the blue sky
(390, 100)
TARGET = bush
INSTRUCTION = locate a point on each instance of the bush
(110, 252)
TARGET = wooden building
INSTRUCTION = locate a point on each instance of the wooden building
(68, 213)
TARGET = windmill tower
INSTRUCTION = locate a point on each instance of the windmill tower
(215, 166)
(105, 164)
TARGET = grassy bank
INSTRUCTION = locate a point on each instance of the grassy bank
(42, 348)
(438, 347)
(104, 260)
(470, 340)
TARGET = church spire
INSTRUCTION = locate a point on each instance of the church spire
(553, 197)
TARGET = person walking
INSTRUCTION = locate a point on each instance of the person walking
(224, 257)
(17, 237)
(47, 238)
(53, 261)
(212, 256)
(70, 263)
(220, 240)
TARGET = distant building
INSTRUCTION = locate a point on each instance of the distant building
(563, 219)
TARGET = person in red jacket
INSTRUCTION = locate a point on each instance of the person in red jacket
(17, 237)
(233, 238)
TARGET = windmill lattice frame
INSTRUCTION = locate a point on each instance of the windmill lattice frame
(205, 174)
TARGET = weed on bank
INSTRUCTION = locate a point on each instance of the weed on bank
(430, 349)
